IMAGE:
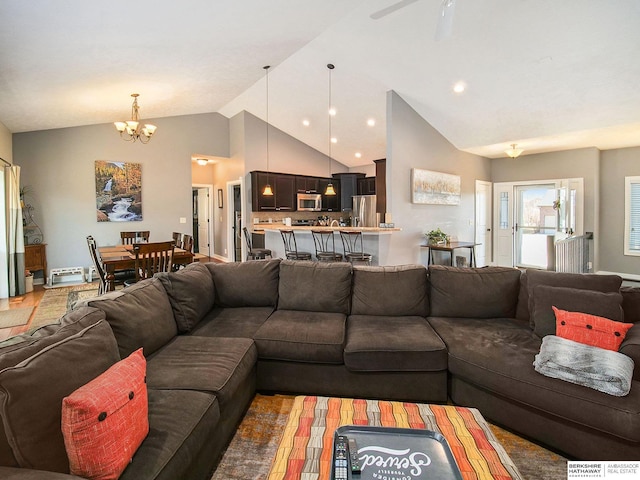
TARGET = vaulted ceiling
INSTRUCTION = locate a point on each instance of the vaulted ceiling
(545, 74)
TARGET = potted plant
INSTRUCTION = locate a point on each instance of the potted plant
(436, 237)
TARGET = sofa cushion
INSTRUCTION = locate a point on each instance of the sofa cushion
(190, 292)
(181, 423)
(497, 355)
(242, 322)
(31, 392)
(206, 364)
(20, 347)
(245, 284)
(315, 286)
(631, 303)
(631, 348)
(590, 329)
(606, 305)
(522, 311)
(300, 336)
(140, 316)
(393, 344)
(582, 281)
(394, 291)
(105, 421)
(473, 292)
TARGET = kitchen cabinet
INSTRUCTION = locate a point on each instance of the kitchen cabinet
(367, 186)
(307, 184)
(284, 192)
(330, 203)
(381, 186)
(348, 188)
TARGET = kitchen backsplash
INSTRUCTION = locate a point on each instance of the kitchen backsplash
(278, 217)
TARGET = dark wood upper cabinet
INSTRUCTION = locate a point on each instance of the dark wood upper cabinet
(381, 186)
(307, 184)
(367, 186)
(348, 188)
(284, 192)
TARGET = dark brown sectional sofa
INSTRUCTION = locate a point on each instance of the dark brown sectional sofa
(214, 334)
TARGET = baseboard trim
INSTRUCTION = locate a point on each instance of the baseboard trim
(221, 258)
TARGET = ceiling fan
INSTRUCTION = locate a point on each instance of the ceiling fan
(444, 26)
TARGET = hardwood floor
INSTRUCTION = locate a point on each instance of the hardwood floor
(31, 299)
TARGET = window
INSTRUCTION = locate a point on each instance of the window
(632, 216)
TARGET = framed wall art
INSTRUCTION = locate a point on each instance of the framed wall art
(434, 188)
(118, 191)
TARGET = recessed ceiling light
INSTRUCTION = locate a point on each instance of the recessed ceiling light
(306, 122)
(334, 140)
(371, 122)
(459, 87)
(332, 111)
(358, 155)
(202, 161)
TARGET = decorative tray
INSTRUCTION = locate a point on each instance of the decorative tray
(400, 454)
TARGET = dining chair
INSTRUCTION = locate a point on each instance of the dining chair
(291, 248)
(152, 258)
(353, 247)
(325, 244)
(187, 242)
(120, 276)
(254, 253)
(177, 238)
(129, 238)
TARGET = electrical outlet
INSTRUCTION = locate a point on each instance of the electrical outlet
(589, 265)
(225, 251)
(183, 220)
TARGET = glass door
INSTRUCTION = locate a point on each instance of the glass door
(536, 225)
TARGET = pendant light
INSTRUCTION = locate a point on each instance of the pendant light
(330, 190)
(267, 188)
(514, 152)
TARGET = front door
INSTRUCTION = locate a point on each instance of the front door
(203, 221)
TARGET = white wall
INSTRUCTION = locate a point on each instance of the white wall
(413, 143)
(59, 166)
(614, 166)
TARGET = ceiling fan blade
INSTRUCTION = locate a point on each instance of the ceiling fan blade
(444, 28)
(390, 9)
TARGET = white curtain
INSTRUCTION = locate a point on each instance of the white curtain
(14, 232)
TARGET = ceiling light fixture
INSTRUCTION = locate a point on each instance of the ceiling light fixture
(459, 87)
(371, 122)
(130, 131)
(332, 111)
(358, 155)
(514, 152)
(306, 122)
(202, 162)
(267, 188)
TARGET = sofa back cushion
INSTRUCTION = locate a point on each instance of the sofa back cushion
(631, 303)
(489, 292)
(583, 281)
(315, 286)
(140, 316)
(245, 284)
(191, 294)
(20, 347)
(32, 390)
(607, 305)
(390, 290)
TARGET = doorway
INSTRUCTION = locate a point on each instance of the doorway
(536, 225)
(202, 224)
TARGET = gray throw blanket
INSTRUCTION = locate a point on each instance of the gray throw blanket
(603, 370)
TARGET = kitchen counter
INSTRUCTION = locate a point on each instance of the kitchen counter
(375, 240)
(306, 228)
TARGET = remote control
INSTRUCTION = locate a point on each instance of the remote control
(340, 458)
(353, 456)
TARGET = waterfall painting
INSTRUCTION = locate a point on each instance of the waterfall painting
(118, 191)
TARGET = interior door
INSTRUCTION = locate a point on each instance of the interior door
(483, 223)
(503, 224)
(204, 221)
(536, 225)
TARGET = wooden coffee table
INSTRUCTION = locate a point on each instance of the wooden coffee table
(305, 450)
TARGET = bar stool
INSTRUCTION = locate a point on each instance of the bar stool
(291, 248)
(353, 248)
(254, 253)
(325, 246)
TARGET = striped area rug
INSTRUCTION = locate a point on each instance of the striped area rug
(306, 446)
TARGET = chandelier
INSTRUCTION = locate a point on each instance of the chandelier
(130, 130)
(514, 152)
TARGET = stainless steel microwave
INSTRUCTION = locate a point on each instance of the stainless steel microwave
(309, 202)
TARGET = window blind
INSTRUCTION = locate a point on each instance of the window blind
(633, 232)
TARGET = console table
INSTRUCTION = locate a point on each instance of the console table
(35, 258)
(450, 247)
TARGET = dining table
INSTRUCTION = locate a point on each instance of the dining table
(121, 257)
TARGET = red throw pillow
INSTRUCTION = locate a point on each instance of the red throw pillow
(590, 329)
(105, 421)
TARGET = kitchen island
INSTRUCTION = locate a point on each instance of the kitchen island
(375, 239)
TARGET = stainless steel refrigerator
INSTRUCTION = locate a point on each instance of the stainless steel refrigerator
(364, 211)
